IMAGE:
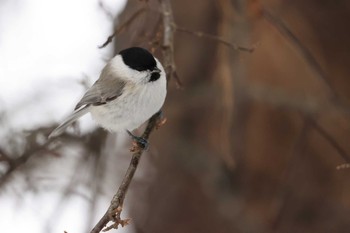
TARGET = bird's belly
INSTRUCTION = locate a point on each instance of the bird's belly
(128, 111)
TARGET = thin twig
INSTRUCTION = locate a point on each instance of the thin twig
(15, 163)
(123, 26)
(331, 140)
(216, 38)
(305, 52)
(32, 149)
(115, 208)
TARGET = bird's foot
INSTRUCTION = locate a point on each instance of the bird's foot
(138, 143)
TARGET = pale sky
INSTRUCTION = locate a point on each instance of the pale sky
(46, 48)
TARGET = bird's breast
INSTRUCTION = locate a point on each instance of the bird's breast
(131, 109)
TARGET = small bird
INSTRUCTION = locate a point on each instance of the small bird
(130, 89)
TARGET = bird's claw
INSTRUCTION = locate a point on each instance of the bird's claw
(138, 143)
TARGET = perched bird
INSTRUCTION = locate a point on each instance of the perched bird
(130, 89)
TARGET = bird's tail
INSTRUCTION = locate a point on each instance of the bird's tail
(77, 114)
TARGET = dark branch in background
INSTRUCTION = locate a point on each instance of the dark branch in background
(14, 162)
(305, 52)
(331, 140)
(316, 67)
(4, 156)
(33, 148)
(98, 172)
(298, 152)
(240, 107)
(115, 208)
(306, 107)
(216, 38)
(123, 26)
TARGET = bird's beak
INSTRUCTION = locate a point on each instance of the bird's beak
(156, 70)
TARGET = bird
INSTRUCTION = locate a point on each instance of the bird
(132, 87)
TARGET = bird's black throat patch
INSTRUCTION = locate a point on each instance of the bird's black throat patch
(154, 76)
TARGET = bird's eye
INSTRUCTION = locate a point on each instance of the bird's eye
(154, 76)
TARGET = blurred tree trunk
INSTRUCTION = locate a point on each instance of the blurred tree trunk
(241, 151)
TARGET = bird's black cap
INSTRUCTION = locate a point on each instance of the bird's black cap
(138, 58)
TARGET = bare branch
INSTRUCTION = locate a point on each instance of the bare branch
(216, 38)
(33, 147)
(115, 208)
(17, 162)
(123, 26)
(4, 156)
(168, 41)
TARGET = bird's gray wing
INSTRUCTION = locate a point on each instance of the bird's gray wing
(108, 87)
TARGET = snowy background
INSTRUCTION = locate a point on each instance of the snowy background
(47, 49)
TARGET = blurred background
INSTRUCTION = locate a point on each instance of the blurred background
(254, 141)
